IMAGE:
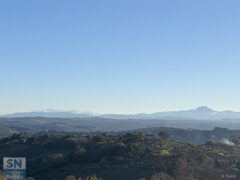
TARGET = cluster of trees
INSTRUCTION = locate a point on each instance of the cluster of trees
(86, 178)
(156, 157)
(94, 177)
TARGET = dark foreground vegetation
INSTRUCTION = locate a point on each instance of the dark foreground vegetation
(132, 156)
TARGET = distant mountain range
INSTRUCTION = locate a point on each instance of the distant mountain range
(50, 114)
(200, 113)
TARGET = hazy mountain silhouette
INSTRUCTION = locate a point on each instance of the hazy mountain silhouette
(200, 113)
(50, 114)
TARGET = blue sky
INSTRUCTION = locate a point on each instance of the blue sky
(125, 56)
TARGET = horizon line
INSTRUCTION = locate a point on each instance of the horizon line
(50, 110)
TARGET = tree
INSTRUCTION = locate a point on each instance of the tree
(164, 135)
(1, 176)
(70, 178)
(161, 176)
(94, 177)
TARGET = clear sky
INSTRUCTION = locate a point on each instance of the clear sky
(119, 56)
